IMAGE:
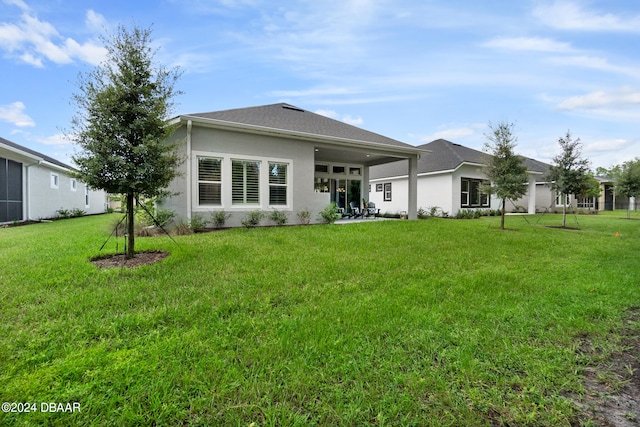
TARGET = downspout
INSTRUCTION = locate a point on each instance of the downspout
(189, 178)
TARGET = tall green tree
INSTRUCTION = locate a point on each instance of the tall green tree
(505, 170)
(627, 178)
(120, 122)
(568, 172)
(589, 187)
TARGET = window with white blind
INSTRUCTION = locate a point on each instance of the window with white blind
(209, 181)
(277, 184)
(245, 182)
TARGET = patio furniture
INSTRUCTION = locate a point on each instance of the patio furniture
(355, 210)
(371, 210)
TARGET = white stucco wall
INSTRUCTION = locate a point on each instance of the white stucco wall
(40, 200)
(399, 195)
(440, 190)
(44, 199)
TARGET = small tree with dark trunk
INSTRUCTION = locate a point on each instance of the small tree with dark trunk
(120, 123)
(505, 170)
(569, 171)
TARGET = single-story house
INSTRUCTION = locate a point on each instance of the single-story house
(549, 201)
(34, 186)
(450, 179)
(277, 157)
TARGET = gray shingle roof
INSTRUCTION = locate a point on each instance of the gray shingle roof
(35, 153)
(290, 118)
(445, 156)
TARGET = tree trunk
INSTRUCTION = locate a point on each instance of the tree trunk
(564, 211)
(504, 204)
(130, 228)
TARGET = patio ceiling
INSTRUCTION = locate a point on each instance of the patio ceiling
(355, 156)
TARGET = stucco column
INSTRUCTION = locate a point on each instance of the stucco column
(532, 194)
(412, 209)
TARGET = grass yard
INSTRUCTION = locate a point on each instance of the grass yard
(434, 322)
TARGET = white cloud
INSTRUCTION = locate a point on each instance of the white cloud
(595, 63)
(536, 44)
(33, 41)
(620, 99)
(14, 114)
(605, 145)
(96, 21)
(570, 15)
(346, 118)
(58, 140)
(21, 4)
(352, 120)
(328, 113)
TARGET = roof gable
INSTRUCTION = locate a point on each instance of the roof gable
(446, 156)
(289, 118)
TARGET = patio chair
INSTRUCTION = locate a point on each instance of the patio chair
(341, 210)
(371, 210)
(355, 210)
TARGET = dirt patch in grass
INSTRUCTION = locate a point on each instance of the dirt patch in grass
(119, 260)
(563, 227)
(612, 388)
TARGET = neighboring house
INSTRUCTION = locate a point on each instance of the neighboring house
(277, 157)
(34, 186)
(450, 178)
(548, 200)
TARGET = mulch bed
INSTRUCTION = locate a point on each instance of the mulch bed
(120, 260)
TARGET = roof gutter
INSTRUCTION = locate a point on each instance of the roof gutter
(30, 156)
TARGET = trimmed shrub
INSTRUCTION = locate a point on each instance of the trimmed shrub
(252, 218)
(304, 217)
(219, 218)
(330, 213)
(279, 217)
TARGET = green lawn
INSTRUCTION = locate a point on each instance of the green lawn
(432, 322)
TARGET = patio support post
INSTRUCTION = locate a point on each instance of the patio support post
(412, 209)
(532, 194)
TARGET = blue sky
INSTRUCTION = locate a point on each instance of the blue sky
(410, 70)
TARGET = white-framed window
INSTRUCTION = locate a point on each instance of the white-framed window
(387, 191)
(245, 182)
(471, 194)
(240, 182)
(464, 192)
(74, 184)
(55, 179)
(278, 184)
(586, 202)
(209, 181)
(559, 200)
(86, 196)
